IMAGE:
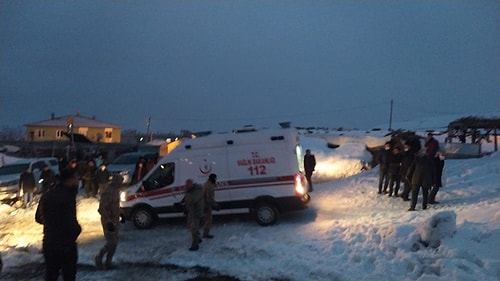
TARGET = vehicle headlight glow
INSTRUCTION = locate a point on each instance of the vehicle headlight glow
(299, 185)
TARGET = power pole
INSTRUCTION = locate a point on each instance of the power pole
(148, 125)
(390, 117)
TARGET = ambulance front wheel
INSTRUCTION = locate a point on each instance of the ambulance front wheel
(266, 214)
(143, 218)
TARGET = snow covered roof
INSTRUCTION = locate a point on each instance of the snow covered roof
(78, 121)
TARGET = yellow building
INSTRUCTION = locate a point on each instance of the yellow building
(60, 129)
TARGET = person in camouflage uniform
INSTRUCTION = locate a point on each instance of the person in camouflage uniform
(209, 204)
(109, 208)
(194, 207)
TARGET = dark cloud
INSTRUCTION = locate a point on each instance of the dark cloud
(219, 65)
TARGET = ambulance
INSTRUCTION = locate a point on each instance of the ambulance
(258, 171)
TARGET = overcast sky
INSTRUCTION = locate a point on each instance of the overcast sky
(217, 65)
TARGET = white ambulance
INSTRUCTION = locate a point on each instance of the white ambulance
(258, 171)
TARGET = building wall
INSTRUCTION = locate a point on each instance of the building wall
(46, 133)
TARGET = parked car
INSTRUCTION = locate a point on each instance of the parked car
(10, 173)
(124, 164)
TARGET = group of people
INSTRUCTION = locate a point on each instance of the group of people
(28, 186)
(199, 202)
(93, 175)
(418, 170)
(57, 212)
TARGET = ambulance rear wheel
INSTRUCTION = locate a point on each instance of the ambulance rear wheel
(143, 218)
(266, 214)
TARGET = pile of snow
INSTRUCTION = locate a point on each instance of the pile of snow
(349, 232)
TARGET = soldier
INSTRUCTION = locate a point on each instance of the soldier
(109, 208)
(88, 178)
(209, 197)
(194, 206)
(102, 178)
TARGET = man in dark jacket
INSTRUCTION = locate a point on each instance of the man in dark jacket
(194, 207)
(109, 208)
(383, 166)
(407, 158)
(422, 175)
(439, 165)
(394, 172)
(57, 212)
(309, 166)
(431, 145)
(27, 184)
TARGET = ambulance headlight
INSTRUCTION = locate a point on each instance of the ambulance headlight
(123, 196)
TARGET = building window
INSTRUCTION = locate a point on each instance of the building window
(59, 134)
(41, 133)
(108, 133)
(83, 131)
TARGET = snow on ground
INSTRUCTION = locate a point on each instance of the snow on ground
(349, 232)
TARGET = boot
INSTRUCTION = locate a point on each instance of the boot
(108, 264)
(98, 262)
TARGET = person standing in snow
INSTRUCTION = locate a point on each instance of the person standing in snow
(422, 175)
(27, 184)
(109, 209)
(88, 177)
(431, 145)
(193, 199)
(102, 178)
(98, 160)
(57, 212)
(394, 172)
(407, 158)
(140, 171)
(209, 204)
(309, 166)
(439, 165)
(77, 169)
(383, 162)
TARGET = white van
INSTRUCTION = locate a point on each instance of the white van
(10, 173)
(260, 171)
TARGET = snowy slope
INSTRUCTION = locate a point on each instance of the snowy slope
(348, 233)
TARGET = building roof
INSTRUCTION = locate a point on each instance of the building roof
(472, 122)
(78, 121)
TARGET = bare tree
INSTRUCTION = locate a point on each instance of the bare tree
(12, 133)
